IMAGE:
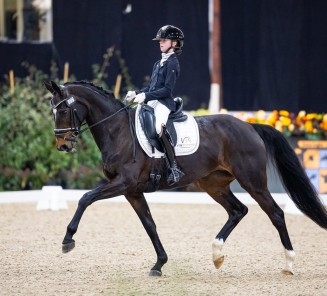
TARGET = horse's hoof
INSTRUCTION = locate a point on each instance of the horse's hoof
(287, 272)
(68, 247)
(155, 273)
(219, 262)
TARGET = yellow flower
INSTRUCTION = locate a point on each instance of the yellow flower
(284, 113)
(286, 121)
(271, 120)
(311, 116)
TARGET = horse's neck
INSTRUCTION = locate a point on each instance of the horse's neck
(101, 106)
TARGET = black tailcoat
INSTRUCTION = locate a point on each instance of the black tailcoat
(162, 82)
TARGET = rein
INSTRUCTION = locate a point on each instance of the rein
(78, 132)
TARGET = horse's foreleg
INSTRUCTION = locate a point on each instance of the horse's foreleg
(141, 208)
(217, 186)
(104, 191)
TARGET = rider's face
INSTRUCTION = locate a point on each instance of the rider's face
(165, 44)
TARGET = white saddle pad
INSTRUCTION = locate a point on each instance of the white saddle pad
(187, 136)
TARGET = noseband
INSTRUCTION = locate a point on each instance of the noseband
(75, 129)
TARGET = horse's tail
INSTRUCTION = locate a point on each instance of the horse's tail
(292, 174)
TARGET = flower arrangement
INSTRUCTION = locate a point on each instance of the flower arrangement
(311, 125)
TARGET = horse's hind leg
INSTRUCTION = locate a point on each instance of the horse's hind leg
(254, 181)
(217, 186)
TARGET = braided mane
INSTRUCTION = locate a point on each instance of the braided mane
(81, 82)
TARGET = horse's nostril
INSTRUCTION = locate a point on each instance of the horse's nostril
(63, 147)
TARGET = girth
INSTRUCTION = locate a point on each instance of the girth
(148, 123)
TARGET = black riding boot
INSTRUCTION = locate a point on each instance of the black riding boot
(174, 172)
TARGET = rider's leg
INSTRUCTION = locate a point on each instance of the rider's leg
(174, 171)
(162, 112)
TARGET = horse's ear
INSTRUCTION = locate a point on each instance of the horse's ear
(56, 88)
(48, 86)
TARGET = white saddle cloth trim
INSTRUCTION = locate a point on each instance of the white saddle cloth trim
(188, 139)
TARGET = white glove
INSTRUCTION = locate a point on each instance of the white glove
(130, 95)
(140, 98)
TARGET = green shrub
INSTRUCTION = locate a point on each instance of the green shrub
(28, 156)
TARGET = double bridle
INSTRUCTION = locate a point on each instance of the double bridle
(74, 128)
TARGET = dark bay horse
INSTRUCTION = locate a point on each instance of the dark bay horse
(229, 149)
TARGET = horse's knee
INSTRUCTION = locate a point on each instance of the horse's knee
(238, 214)
(84, 201)
(244, 210)
(278, 218)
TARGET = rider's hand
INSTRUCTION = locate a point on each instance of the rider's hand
(130, 95)
(140, 98)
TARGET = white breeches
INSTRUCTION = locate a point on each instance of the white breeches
(161, 112)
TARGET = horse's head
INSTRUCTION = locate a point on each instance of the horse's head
(68, 116)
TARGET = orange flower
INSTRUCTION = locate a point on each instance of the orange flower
(308, 126)
(251, 120)
(323, 125)
(298, 121)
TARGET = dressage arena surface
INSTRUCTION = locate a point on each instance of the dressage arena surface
(113, 253)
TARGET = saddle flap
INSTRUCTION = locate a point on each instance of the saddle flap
(148, 124)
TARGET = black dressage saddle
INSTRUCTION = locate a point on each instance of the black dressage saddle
(148, 123)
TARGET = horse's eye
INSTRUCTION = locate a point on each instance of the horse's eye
(63, 112)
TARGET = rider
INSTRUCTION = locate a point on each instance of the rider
(158, 94)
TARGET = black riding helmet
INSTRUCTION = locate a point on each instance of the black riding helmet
(173, 33)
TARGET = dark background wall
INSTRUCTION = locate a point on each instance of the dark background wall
(83, 30)
(274, 54)
(273, 51)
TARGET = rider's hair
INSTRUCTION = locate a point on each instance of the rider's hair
(178, 51)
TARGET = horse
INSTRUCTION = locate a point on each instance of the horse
(229, 149)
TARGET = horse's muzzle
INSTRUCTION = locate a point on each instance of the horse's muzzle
(63, 145)
(65, 148)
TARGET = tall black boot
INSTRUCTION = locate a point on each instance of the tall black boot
(174, 171)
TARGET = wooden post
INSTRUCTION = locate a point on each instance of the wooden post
(2, 18)
(215, 103)
(117, 86)
(66, 71)
(20, 20)
(11, 81)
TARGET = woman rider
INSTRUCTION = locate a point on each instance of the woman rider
(158, 94)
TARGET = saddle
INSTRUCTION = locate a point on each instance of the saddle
(148, 123)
